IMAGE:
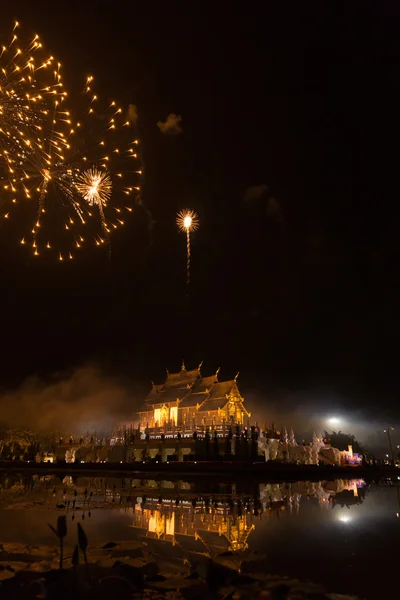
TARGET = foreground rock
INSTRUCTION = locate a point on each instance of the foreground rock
(125, 571)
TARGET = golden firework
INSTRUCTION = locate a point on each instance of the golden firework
(187, 220)
(55, 168)
(95, 186)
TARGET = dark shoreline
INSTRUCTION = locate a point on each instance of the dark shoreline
(227, 470)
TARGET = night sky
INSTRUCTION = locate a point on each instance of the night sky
(296, 288)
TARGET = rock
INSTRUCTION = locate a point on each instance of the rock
(280, 592)
(36, 589)
(226, 593)
(157, 577)
(179, 583)
(214, 574)
(196, 591)
(7, 568)
(193, 575)
(341, 597)
(60, 585)
(134, 575)
(307, 587)
(241, 580)
(151, 569)
(126, 553)
(116, 588)
(40, 567)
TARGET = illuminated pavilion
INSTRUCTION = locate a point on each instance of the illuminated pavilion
(187, 399)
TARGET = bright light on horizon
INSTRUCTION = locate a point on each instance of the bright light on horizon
(344, 518)
(334, 421)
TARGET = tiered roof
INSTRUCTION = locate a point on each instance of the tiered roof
(190, 389)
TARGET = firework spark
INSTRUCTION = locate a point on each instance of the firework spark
(187, 221)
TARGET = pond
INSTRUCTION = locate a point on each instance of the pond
(338, 533)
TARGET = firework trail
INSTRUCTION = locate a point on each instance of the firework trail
(69, 175)
(187, 221)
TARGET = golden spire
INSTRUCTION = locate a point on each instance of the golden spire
(183, 368)
(237, 375)
(217, 371)
(199, 367)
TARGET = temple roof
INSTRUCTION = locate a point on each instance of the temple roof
(168, 395)
(181, 379)
(152, 396)
(192, 400)
(221, 389)
(204, 384)
(213, 404)
(191, 389)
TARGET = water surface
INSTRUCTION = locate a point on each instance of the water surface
(337, 533)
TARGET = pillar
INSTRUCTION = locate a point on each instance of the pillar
(167, 451)
(182, 452)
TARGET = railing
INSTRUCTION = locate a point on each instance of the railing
(169, 432)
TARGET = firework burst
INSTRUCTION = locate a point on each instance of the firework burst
(187, 221)
(95, 186)
(31, 93)
(63, 171)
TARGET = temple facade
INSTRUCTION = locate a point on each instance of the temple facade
(187, 400)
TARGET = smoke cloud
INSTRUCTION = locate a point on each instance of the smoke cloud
(261, 193)
(314, 410)
(171, 126)
(255, 192)
(133, 114)
(86, 400)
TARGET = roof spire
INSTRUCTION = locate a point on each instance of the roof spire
(237, 375)
(167, 372)
(183, 368)
(200, 365)
(217, 371)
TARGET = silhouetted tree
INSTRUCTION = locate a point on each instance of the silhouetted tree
(341, 441)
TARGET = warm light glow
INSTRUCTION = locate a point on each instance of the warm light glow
(344, 518)
(173, 414)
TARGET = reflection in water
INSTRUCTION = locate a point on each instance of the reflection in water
(225, 524)
(215, 528)
(201, 516)
(290, 525)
